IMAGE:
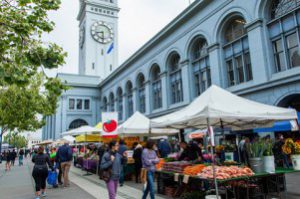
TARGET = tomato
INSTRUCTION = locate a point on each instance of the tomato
(110, 126)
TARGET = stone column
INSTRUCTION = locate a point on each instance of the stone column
(258, 51)
(165, 89)
(147, 97)
(216, 70)
(186, 81)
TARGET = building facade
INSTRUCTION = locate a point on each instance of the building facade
(250, 48)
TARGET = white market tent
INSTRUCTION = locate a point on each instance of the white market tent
(82, 131)
(139, 125)
(217, 107)
(221, 108)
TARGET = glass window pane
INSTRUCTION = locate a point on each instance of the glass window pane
(239, 68)
(245, 43)
(79, 104)
(294, 56)
(237, 47)
(230, 73)
(288, 23)
(279, 61)
(277, 46)
(228, 52)
(248, 67)
(274, 29)
(71, 104)
(292, 40)
(87, 104)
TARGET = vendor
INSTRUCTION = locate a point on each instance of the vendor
(190, 152)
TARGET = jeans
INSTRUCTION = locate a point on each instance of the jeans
(112, 186)
(150, 185)
(121, 181)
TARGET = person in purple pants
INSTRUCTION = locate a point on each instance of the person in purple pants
(114, 161)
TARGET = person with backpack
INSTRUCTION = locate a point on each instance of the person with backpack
(40, 172)
(64, 157)
(13, 157)
(111, 167)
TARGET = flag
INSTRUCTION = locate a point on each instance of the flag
(111, 47)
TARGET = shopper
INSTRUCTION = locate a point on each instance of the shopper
(40, 172)
(8, 160)
(64, 155)
(164, 148)
(21, 157)
(112, 163)
(149, 159)
(121, 151)
(13, 157)
(137, 156)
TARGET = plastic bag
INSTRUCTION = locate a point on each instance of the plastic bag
(52, 176)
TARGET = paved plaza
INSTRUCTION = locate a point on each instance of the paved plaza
(18, 184)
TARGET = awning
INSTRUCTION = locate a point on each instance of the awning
(280, 126)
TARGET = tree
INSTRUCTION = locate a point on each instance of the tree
(15, 140)
(23, 58)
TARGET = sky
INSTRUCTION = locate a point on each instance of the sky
(139, 21)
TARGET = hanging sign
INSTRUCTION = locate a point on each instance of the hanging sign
(211, 135)
(110, 124)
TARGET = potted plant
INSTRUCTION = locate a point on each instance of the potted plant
(255, 151)
(229, 151)
(292, 148)
(269, 161)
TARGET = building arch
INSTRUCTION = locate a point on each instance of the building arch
(104, 104)
(191, 39)
(290, 100)
(111, 102)
(156, 87)
(119, 99)
(77, 123)
(129, 98)
(141, 92)
(225, 17)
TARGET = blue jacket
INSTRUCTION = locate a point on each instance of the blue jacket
(116, 165)
(64, 154)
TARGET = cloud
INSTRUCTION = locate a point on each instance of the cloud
(139, 21)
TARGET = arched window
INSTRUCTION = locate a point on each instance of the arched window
(104, 105)
(141, 93)
(111, 102)
(77, 123)
(236, 50)
(120, 103)
(156, 87)
(200, 65)
(175, 80)
(284, 33)
(129, 94)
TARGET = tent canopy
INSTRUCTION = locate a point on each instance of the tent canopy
(224, 109)
(138, 124)
(82, 130)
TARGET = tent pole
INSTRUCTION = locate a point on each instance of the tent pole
(213, 159)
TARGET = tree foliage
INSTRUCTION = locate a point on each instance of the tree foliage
(23, 58)
(15, 140)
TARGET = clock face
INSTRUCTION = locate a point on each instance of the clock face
(102, 32)
(81, 36)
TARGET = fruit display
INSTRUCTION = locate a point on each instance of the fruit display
(177, 167)
(160, 164)
(193, 170)
(224, 172)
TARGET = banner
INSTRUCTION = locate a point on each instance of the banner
(110, 124)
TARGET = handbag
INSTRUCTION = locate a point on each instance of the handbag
(105, 174)
(52, 176)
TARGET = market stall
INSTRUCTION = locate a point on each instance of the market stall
(219, 108)
(86, 135)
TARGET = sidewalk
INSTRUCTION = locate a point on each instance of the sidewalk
(18, 184)
(97, 188)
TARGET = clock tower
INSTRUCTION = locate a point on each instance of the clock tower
(98, 37)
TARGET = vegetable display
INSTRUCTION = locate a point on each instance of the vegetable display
(193, 170)
(223, 172)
